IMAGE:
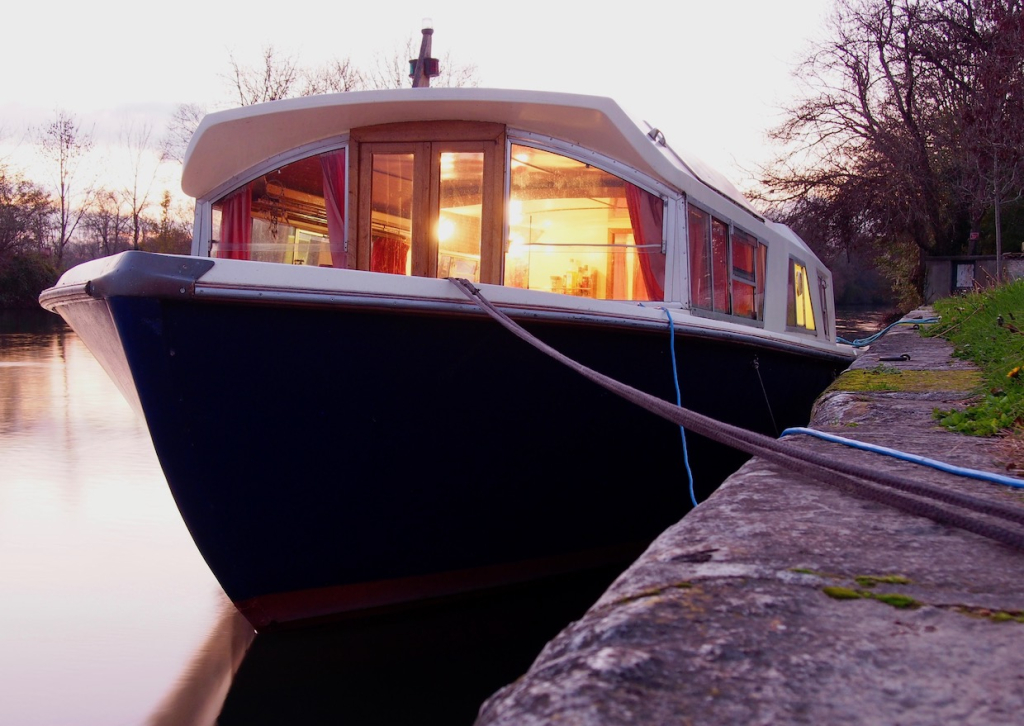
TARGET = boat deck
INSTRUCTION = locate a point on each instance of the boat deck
(783, 600)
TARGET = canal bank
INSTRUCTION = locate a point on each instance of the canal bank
(785, 600)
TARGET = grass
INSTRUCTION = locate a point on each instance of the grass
(987, 328)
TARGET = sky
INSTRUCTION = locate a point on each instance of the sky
(711, 75)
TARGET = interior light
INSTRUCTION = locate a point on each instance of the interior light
(515, 211)
(445, 229)
(447, 166)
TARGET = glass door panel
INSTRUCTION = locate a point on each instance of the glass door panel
(391, 212)
(460, 208)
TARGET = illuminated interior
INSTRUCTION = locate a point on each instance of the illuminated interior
(459, 223)
(391, 213)
(570, 230)
(279, 217)
(437, 208)
(800, 308)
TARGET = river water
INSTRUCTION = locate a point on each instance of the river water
(109, 615)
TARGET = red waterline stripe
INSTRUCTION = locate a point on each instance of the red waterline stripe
(266, 611)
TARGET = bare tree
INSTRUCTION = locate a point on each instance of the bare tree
(281, 76)
(64, 145)
(143, 160)
(985, 85)
(183, 124)
(275, 78)
(893, 127)
(106, 225)
(391, 69)
(335, 76)
(455, 74)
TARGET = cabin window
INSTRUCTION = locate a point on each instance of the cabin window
(293, 215)
(700, 259)
(748, 256)
(800, 309)
(720, 265)
(726, 267)
(578, 230)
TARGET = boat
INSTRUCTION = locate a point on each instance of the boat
(344, 430)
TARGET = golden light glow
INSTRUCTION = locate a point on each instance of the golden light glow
(445, 228)
(515, 212)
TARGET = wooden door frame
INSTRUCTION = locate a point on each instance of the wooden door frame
(427, 140)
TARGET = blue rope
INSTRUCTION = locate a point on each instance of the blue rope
(861, 342)
(912, 458)
(679, 402)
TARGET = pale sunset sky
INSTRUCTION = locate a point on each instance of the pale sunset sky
(710, 75)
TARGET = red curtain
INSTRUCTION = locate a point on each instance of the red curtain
(388, 254)
(333, 166)
(646, 213)
(236, 225)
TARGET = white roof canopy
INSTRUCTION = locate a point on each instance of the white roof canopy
(229, 143)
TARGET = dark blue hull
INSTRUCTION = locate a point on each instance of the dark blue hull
(340, 457)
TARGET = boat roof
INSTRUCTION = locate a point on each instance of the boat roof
(228, 143)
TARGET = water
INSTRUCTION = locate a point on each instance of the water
(855, 322)
(108, 614)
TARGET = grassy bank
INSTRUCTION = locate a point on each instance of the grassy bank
(987, 328)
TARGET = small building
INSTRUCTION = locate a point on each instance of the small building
(946, 276)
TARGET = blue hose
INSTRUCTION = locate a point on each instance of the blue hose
(679, 402)
(912, 458)
(861, 342)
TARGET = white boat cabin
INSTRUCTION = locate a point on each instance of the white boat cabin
(539, 191)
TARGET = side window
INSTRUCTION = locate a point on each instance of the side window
(727, 267)
(744, 275)
(578, 230)
(699, 231)
(800, 307)
(293, 215)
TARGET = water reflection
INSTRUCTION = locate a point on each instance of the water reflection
(104, 595)
(197, 697)
(855, 322)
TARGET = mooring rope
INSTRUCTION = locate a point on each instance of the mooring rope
(844, 474)
(764, 391)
